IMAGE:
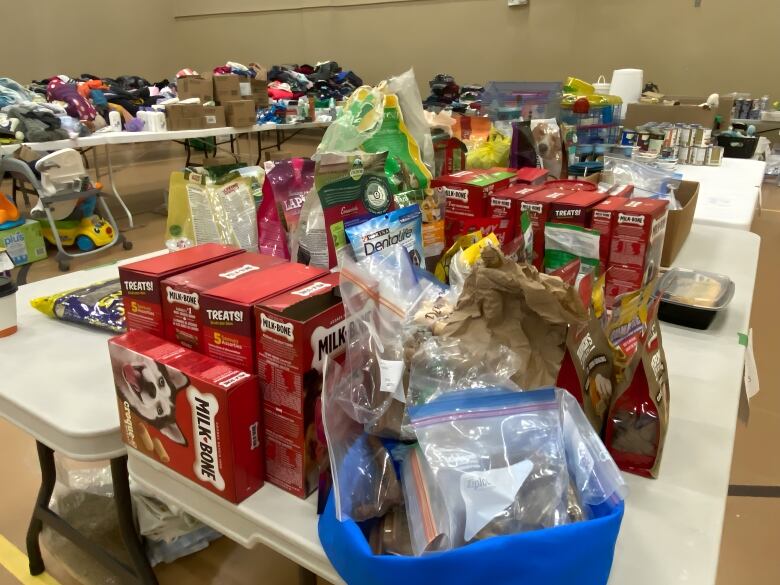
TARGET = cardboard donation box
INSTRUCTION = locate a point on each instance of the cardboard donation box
(240, 113)
(185, 117)
(227, 88)
(195, 87)
(214, 117)
(687, 112)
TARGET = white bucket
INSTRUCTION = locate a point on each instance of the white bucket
(627, 83)
(601, 86)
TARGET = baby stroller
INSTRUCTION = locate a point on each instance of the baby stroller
(67, 201)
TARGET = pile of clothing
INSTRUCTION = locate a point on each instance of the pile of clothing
(446, 93)
(326, 80)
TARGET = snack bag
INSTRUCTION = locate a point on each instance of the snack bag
(442, 270)
(271, 238)
(351, 189)
(494, 152)
(639, 413)
(402, 226)
(97, 305)
(586, 370)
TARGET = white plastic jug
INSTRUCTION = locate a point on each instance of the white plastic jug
(601, 86)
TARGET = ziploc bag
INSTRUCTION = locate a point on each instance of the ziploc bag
(401, 227)
(365, 484)
(648, 181)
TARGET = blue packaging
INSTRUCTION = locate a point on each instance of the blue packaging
(402, 226)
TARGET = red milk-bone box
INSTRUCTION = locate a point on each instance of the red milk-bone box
(638, 229)
(576, 208)
(295, 331)
(601, 220)
(539, 205)
(182, 316)
(505, 204)
(465, 192)
(228, 311)
(193, 414)
(141, 282)
(532, 176)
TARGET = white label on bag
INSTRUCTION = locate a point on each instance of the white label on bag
(488, 493)
(391, 374)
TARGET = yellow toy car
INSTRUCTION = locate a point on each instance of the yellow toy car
(87, 233)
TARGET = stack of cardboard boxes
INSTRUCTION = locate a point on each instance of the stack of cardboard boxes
(236, 102)
(203, 323)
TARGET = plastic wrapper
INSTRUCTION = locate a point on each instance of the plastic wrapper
(648, 181)
(98, 305)
(493, 152)
(390, 534)
(360, 118)
(287, 184)
(365, 484)
(564, 243)
(214, 206)
(522, 148)
(408, 92)
(509, 462)
(549, 146)
(402, 227)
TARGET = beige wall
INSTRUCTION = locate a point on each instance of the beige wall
(679, 47)
(42, 38)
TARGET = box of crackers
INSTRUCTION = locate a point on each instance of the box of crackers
(197, 416)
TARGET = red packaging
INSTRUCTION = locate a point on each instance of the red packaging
(505, 204)
(183, 319)
(501, 227)
(532, 176)
(465, 192)
(601, 220)
(295, 331)
(228, 311)
(638, 229)
(539, 206)
(195, 415)
(141, 291)
(576, 208)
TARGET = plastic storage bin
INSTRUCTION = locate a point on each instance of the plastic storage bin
(738, 146)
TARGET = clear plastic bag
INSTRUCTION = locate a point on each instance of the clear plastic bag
(648, 181)
(508, 462)
(360, 118)
(408, 92)
(365, 484)
(443, 364)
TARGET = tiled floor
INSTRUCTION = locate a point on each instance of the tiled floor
(751, 535)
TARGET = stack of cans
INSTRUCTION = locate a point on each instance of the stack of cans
(685, 143)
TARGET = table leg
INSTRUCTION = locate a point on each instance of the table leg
(306, 577)
(259, 147)
(48, 478)
(279, 139)
(110, 167)
(124, 508)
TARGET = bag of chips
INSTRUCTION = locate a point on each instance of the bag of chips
(98, 305)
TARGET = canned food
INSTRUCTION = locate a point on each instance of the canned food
(656, 141)
(701, 136)
(714, 156)
(684, 137)
(682, 155)
(698, 155)
(628, 138)
(670, 136)
(667, 152)
(643, 140)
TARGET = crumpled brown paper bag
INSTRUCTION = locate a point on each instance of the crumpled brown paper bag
(511, 304)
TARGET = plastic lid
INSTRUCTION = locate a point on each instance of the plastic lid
(7, 286)
(697, 289)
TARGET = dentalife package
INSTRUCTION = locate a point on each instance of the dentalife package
(400, 227)
(193, 414)
(141, 282)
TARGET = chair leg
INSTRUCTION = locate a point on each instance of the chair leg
(124, 508)
(48, 479)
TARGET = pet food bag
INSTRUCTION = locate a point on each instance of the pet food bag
(400, 227)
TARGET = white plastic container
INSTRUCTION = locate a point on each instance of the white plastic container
(115, 120)
(601, 86)
(7, 307)
(627, 84)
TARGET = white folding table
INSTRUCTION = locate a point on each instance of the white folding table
(672, 526)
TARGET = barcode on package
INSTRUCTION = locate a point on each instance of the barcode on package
(254, 437)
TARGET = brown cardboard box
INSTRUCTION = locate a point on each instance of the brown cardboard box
(679, 221)
(256, 90)
(214, 116)
(195, 87)
(240, 113)
(185, 117)
(688, 112)
(226, 88)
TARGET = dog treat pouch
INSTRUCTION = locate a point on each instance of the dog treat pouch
(400, 227)
(563, 243)
(639, 413)
(351, 189)
(97, 305)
